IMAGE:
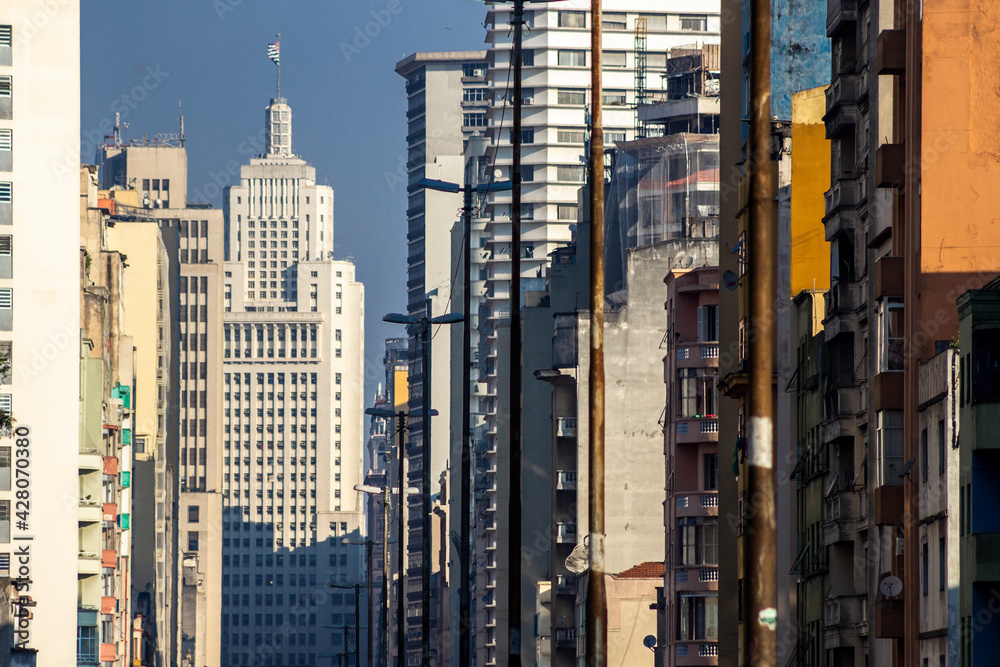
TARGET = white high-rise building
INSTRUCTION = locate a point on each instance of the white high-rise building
(40, 267)
(293, 416)
(556, 99)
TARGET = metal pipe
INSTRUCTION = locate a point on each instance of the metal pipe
(357, 624)
(597, 610)
(425, 482)
(401, 577)
(761, 524)
(514, 513)
(386, 492)
(465, 555)
(371, 609)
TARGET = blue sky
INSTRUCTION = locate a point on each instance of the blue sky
(349, 105)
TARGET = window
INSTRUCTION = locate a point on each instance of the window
(889, 441)
(942, 564)
(192, 540)
(890, 329)
(566, 211)
(527, 58)
(613, 98)
(711, 471)
(474, 69)
(6, 140)
(695, 393)
(5, 38)
(614, 21)
(924, 567)
(6, 192)
(527, 136)
(571, 173)
(474, 119)
(611, 136)
(694, 23)
(193, 513)
(571, 136)
(572, 19)
(527, 172)
(87, 642)
(577, 97)
(697, 541)
(708, 323)
(474, 94)
(572, 58)
(941, 447)
(923, 456)
(613, 59)
(697, 617)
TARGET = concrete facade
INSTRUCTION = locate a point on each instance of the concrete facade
(40, 317)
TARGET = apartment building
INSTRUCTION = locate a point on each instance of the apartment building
(556, 79)
(446, 93)
(107, 384)
(40, 315)
(799, 62)
(293, 441)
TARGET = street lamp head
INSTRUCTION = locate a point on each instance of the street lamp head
(399, 318)
(448, 318)
(367, 489)
(379, 412)
(441, 186)
(496, 186)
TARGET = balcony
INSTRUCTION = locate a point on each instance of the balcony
(566, 532)
(841, 104)
(89, 511)
(839, 410)
(843, 618)
(111, 465)
(697, 504)
(88, 563)
(890, 166)
(566, 427)
(109, 605)
(566, 638)
(984, 555)
(109, 512)
(90, 461)
(697, 429)
(839, 12)
(843, 300)
(109, 558)
(566, 585)
(566, 480)
(108, 653)
(697, 653)
(698, 355)
(840, 514)
(843, 194)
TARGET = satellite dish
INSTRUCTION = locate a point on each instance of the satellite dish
(649, 641)
(497, 173)
(684, 261)
(890, 586)
(579, 560)
(729, 279)
(905, 469)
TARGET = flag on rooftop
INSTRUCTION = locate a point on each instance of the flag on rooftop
(272, 53)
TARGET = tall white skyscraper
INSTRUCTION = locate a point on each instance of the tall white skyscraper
(40, 266)
(293, 415)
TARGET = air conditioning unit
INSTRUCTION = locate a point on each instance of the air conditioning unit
(477, 72)
(528, 100)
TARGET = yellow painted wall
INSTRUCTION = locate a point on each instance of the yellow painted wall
(401, 390)
(140, 243)
(810, 181)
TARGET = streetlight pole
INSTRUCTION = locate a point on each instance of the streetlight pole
(465, 555)
(423, 327)
(357, 623)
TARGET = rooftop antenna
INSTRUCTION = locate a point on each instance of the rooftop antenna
(182, 121)
(119, 126)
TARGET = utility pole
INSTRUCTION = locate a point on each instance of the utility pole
(514, 429)
(400, 577)
(425, 482)
(760, 525)
(597, 610)
(385, 574)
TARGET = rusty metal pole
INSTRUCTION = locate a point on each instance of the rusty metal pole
(465, 550)
(760, 568)
(384, 640)
(597, 610)
(514, 513)
(400, 576)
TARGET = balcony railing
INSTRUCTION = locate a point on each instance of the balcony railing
(566, 480)
(566, 533)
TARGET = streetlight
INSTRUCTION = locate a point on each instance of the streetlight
(385, 492)
(465, 557)
(400, 425)
(424, 326)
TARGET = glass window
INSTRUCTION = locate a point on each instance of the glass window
(694, 23)
(570, 136)
(572, 173)
(572, 58)
(572, 19)
(891, 342)
(695, 393)
(577, 97)
(697, 617)
(613, 59)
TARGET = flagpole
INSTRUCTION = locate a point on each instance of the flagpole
(278, 42)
